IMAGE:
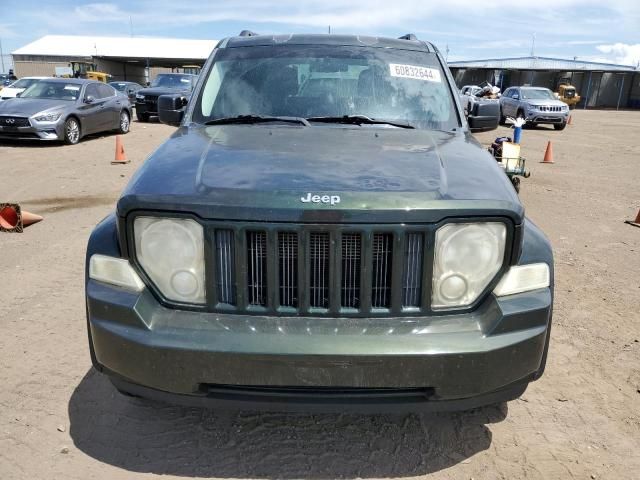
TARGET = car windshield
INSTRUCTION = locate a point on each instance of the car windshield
(53, 91)
(304, 81)
(537, 94)
(24, 83)
(121, 87)
(172, 81)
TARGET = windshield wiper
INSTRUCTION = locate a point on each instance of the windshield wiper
(359, 120)
(248, 119)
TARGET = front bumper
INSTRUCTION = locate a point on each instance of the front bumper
(547, 117)
(47, 131)
(296, 363)
(146, 107)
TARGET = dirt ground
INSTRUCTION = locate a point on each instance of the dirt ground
(59, 419)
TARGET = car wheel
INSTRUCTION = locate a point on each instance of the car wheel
(71, 131)
(142, 117)
(559, 126)
(503, 119)
(125, 122)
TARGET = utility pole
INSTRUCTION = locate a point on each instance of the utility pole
(446, 57)
(329, 29)
(131, 26)
(1, 55)
(533, 45)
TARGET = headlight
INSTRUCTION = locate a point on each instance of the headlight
(467, 258)
(48, 117)
(139, 97)
(171, 252)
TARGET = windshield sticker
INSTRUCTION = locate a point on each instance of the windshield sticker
(75, 88)
(414, 72)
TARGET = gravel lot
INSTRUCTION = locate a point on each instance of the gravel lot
(59, 419)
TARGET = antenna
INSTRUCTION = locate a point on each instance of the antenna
(131, 25)
(329, 29)
(446, 57)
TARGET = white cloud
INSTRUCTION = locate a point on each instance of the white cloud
(622, 53)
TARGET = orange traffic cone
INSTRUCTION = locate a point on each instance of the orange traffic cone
(14, 219)
(121, 157)
(570, 119)
(636, 222)
(548, 154)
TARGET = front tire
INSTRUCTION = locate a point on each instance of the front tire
(503, 119)
(559, 126)
(71, 131)
(125, 122)
(142, 117)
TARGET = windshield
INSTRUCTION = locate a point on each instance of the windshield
(327, 81)
(53, 91)
(24, 83)
(119, 86)
(537, 94)
(182, 82)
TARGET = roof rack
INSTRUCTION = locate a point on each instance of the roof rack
(408, 36)
(248, 33)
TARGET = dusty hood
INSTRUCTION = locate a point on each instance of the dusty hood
(248, 170)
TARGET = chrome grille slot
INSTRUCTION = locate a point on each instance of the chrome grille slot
(412, 275)
(257, 268)
(288, 268)
(351, 269)
(382, 250)
(319, 269)
(225, 268)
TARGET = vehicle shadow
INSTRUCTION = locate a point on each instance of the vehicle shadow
(21, 143)
(142, 436)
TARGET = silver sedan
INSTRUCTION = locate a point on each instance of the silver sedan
(64, 110)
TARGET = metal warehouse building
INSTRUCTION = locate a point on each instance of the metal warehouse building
(601, 85)
(136, 59)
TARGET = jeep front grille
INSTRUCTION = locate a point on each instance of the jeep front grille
(319, 270)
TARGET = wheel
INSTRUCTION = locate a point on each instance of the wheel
(559, 126)
(516, 183)
(142, 117)
(503, 119)
(125, 122)
(71, 131)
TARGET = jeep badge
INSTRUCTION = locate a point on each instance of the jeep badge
(332, 199)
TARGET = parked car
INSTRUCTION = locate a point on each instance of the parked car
(472, 95)
(147, 98)
(346, 246)
(536, 105)
(18, 87)
(65, 110)
(127, 88)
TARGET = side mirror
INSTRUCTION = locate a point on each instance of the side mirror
(89, 99)
(484, 116)
(516, 96)
(171, 109)
(18, 94)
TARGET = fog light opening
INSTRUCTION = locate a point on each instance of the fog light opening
(184, 283)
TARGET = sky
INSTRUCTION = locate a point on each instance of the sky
(595, 30)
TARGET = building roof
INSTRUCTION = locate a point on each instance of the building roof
(118, 47)
(541, 63)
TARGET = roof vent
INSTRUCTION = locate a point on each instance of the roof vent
(408, 36)
(248, 33)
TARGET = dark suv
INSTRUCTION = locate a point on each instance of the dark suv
(321, 231)
(146, 99)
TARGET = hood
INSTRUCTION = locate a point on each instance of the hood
(8, 92)
(162, 91)
(551, 102)
(25, 107)
(253, 172)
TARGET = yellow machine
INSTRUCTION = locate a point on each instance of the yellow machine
(88, 70)
(567, 94)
